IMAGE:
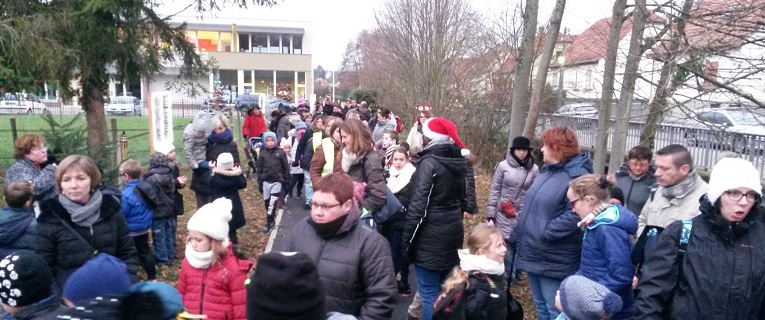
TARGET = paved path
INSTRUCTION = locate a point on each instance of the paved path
(295, 213)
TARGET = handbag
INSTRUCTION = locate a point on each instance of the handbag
(388, 211)
(508, 208)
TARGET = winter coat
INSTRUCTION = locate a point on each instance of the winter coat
(272, 166)
(606, 255)
(178, 196)
(354, 264)
(138, 215)
(283, 126)
(403, 196)
(306, 156)
(470, 199)
(17, 229)
(43, 180)
(722, 274)
(226, 184)
(254, 126)
(511, 181)
(368, 169)
(217, 291)
(381, 127)
(216, 144)
(194, 148)
(661, 212)
(162, 179)
(636, 192)
(65, 252)
(478, 299)
(433, 230)
(303, 147)
(548, 242)
(318, 161)
(45, 309)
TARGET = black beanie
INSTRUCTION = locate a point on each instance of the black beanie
(521, 142)
(24, 279)
(285, 285)
(618, 194)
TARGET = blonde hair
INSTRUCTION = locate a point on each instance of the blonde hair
(84, 163)
(593, 185)
(132, 168)
(480, 237)
(216, 246)
(219, 120)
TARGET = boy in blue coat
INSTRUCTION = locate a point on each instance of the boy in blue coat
(138, 215)
(17, 220)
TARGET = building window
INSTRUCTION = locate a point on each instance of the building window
(244, 42)
(266, 43)
(285, 84)
(301, 78)
(260, 43)
(286, 44)
(297, 44)
(273, 43)
(207, 41)
(264, 82)
(191, 37)
(225, 41)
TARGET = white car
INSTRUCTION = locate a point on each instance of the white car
(735, 128)
(124, 105)
(21, 103)
(578, 110)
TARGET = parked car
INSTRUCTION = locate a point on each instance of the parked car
(124, 105)
(578, 110)
(21, 103)
(737, 129)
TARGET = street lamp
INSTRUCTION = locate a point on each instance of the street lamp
(561, 63)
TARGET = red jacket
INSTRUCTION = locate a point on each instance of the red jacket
(254, 126)
(217, 291)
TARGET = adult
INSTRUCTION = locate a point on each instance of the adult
(329, 107)
(221, 140)
(324, 155)
(363, 164)
(364, 115)
(433, 231)
(512, 178)
(353, 260)
(310, 140)
(415, 133)
(80, 223)
(719, 273)
(636, 178)
(195, 149)
(547, 238)
(254, 123)
(31, 159)
(384, 123)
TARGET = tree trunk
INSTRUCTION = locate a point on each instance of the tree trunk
(520, 98)
(541, 79)
(604, 121)
(619, 142)
(94, 115)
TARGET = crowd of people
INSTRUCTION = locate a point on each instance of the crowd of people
(652, 241)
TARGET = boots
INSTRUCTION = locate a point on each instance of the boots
(270, 208)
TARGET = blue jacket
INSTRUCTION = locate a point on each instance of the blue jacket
(137, 214)
(606, 254)
(547, 239)
(17, 230)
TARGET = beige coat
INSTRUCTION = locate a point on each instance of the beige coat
(661, 211)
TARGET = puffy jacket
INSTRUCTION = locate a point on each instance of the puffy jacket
(433, 230)
(368, 169)
(723, 270)
(216, 144)
(254, 125)
(661, 212)
(318, 162)
(636, 191)
(162, 179)
(17, 230)
(272, 166)
(217, 291)
(381, 127)
(305, 144)
(46, 309)
(65, 252)
(354, 264)
(283, 126)
(547, 239)
(606, 255)
(178, 196)
(43, 181)
(470, 199)
(138, 215)
(511, 181)
(482, 297)
(226, 184)
(194, 148)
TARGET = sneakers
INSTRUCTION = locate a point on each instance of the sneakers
(307, 207)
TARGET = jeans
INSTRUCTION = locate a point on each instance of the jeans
(509, 263)
(145, 256)
(400, 262)
(163, 231)
(429, 286)
(543, 291)
(308, 186)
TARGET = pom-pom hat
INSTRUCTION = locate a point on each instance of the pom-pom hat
(732, 173)
(212, 220)
(285, 285)
(440, 129)
(24, 279)
(584, 299)
(225, 161)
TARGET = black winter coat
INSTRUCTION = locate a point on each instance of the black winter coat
(433, 231)
(214, 149)
(478, 300)
(303, 146)
(226, 184)
(471, 201)
(65, 252)
(162, 179)
(178, 197)
(272, 166)
(723, 271)
(368, 169)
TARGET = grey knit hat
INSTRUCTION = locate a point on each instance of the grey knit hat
(584, 299)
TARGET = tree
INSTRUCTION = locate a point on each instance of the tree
(319, 72)
(520, 104)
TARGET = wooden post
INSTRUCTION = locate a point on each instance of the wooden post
(14, 134)
(117, 155)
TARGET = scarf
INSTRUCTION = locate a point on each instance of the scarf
(438, 142)
(326, 230)
(84, 215)
(681, 188)
(199, 260)
(473, 262)
(349, 159)
(400, 179)
(220, 137)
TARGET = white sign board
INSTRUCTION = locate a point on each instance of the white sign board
(161, 118)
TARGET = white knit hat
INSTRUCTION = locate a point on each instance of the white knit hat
(212, 219)
(225, 161)
(732, 173)
(164, 147)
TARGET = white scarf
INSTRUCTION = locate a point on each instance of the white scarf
(199, 260)
(348, 160)
(399, 179)
(472, 262)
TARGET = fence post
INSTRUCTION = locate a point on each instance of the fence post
(14, 134)
(117, 155)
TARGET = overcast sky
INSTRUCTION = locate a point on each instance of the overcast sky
(336, 22)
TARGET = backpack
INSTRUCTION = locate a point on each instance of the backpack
(648, 238)
(399, 124)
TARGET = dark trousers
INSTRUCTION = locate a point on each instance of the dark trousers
(296, 180)
(145, 256)
(203, 199)
(232, 236)
(400, 262)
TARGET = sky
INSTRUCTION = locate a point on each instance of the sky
(337, 22)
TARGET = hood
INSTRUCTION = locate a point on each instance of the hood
(624, 171)
(727, 231)
(158, 170)
(13, 223)
(616, 216)
(448, 155)
(189, 132)
(578, 165)
(513, 162)
(233, 172)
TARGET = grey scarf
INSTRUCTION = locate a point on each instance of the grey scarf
(83, 215)
(681, 188)
(434, 143)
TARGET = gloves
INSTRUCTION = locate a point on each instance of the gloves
(203, 165)
(296, 163)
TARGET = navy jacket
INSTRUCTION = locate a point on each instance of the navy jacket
(548, 241)
(17, 230)
(137, 213)
(606, 255)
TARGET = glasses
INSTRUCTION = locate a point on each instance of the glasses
(323, 207)
(736, 195)
(423, 107)
(571, 204)
(39, 149)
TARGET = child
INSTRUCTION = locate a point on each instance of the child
(296, 172)
(273, 173)
(583, 299)
(138, 216)
(389, 144)
(26, 291)
(162, 228)
(226, 182)
(17, 221)
(212, 278)
(168, 149)
(476, 288)
(102, 275)
(401, 172)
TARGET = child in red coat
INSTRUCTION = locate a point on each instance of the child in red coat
(212, 277)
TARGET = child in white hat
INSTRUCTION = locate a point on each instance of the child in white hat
(226, 181)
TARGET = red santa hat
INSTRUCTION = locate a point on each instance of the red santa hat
(440, 129)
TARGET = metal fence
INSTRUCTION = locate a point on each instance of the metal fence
(181, 108)
(706, 146)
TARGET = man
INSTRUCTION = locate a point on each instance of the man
(354, 261)
(364, 111)
(636, 178)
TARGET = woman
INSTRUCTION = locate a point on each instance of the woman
(31, 155)
(384, 123)
(325, 153)
(254, 123)
(415, 133)
(80, 223)
(401, 172)
(548, 241)
(221, 140)
(721, 274)
(512, 178)
(304, 153)
(363, 164)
